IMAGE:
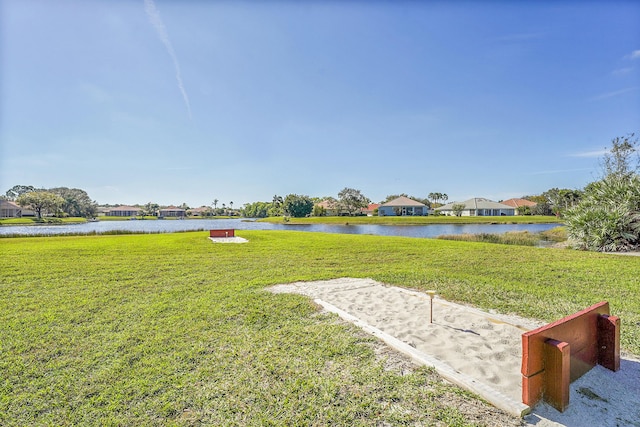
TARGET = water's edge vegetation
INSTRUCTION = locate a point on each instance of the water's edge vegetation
(544, 238)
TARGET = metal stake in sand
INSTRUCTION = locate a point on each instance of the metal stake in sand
(431, 295)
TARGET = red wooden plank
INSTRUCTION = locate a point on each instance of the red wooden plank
(579, 329)
(556, 373)
(222, 232)
(609, 342)
(532, 388)
(592, 336)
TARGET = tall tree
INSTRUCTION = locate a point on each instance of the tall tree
(77, 203)
(256, 210)
(276, 206)
(352, 200)
(561, 199)
(41, 201)
(457, 208)
(150, 209)
(297, 206)
(623, 158)
(17, 190)
(437, 198)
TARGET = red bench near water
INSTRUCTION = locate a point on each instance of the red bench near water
(557, 354)
(222, 232)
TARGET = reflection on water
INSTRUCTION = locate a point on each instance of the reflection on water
(168, 226)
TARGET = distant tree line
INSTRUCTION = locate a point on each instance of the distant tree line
(58, 201)
(63, 201)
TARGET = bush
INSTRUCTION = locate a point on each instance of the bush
(608, 217)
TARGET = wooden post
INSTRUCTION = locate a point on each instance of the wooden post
(609, 342)
(431, 295)
(556, 373)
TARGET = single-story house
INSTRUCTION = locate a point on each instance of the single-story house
(172, 211)
(403, 206)
(519, 203)
(201, 211)
(331, 208)
(9, 209)
(369, 210)
(128, 211)
(478, 207)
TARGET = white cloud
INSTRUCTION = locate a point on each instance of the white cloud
(156, 21)
(520, 37)
(634, 55)
(613, 93)
(595, 153)
(557, 171)
(622, 71)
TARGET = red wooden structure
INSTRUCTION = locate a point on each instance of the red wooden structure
(556, 354)
(222, 232)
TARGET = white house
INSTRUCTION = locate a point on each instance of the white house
(9, 209)
(478, 207)
(403, 206)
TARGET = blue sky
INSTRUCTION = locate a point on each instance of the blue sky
(189, 101)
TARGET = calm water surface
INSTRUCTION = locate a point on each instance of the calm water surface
(168, 226)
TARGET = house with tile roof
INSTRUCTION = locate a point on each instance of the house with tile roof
(370, 209)
(331, 207)
(128, 211)
(519, 203)
(403, 206)
(201, 211)
(172, 212)
(478, 206)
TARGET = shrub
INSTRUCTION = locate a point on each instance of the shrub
(608, 217)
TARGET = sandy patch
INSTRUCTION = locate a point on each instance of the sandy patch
(483, 346)
(228, 239)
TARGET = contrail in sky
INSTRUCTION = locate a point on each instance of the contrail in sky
(156, 21)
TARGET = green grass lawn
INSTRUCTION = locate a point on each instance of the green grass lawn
(171, 329)
(35, 221)
(417, 220)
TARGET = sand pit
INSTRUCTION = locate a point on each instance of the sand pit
(477, 350)
(228, 239)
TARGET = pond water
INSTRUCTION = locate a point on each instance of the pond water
(168, 226)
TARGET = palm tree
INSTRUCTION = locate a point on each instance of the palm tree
(276, 204)
(606, 218)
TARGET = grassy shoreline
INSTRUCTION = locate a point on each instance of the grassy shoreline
(172, 329)
(416, 220)
(376, 220)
